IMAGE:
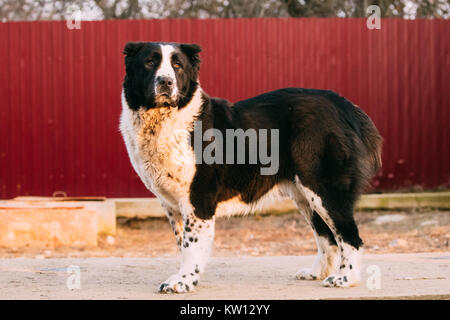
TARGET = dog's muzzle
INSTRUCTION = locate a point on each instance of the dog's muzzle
(164, 88)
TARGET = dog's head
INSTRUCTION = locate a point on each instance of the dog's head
(160, 74)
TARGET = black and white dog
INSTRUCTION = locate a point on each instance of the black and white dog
(328, 150)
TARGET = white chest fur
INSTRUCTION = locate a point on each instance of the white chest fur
(158, 145)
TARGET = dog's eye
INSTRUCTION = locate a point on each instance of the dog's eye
(176, 65)
(150, 62)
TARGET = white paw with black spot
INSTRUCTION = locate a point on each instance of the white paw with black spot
(337, 280)
(179, 283)
(306, 274)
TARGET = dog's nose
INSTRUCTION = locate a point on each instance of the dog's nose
(164, 81)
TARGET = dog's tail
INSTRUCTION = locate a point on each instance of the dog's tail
(371, 139)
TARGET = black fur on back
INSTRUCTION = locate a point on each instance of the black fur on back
(329, 143)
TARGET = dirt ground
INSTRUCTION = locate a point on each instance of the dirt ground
(270, 235)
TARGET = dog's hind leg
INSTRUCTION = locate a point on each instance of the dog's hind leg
(337, 213)
(197, 239)
(327, 259)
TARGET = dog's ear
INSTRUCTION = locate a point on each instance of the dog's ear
(192, 51)
(132, 48)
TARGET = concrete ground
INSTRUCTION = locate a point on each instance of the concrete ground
(401, 276)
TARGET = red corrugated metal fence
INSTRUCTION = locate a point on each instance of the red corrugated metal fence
(60, 91)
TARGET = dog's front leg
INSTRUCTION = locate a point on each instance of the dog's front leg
(198, 236)
(174, 218)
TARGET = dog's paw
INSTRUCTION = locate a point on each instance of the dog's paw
(340, 280)
(306, 274)
(179, 283)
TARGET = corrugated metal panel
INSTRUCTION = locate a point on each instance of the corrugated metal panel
(60, 91)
